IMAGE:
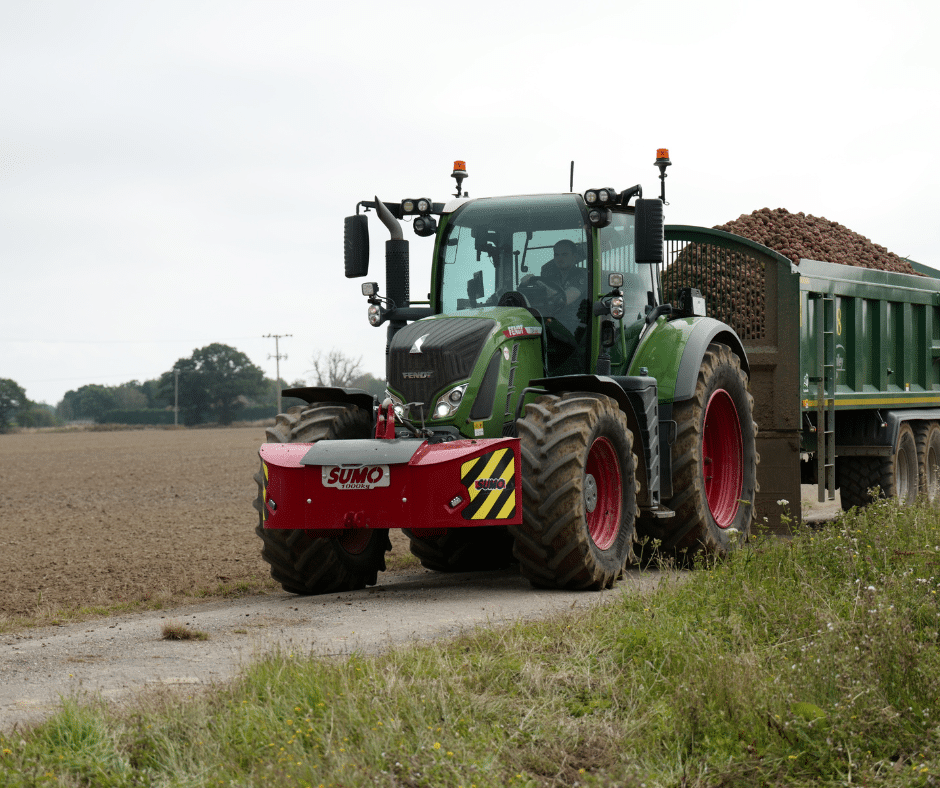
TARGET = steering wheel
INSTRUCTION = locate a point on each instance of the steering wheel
(540, 290)
(513, 298)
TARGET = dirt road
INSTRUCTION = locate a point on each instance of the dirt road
(116, 658)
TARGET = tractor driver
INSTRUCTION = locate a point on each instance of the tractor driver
(561, 272)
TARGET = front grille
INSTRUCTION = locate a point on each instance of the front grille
(449, 351)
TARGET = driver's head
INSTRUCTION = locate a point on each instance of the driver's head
(566, 254)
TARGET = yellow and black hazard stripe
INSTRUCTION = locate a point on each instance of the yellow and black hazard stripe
(491, 484)
(264, 494)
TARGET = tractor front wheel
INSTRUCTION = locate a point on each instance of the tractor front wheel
(307, 564)
(578, 492)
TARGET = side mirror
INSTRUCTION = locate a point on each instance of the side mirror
(475, 288)
(650, 245)
(356, 245)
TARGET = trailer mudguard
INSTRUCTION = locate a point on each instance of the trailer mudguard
(875, 432)
(402, 483)
(673, 350)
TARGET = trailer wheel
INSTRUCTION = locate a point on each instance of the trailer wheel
(898, 476)
(462, 549)
(305, 564)
(715, 460)
(578, 492)
(928, 457)
(855, 477)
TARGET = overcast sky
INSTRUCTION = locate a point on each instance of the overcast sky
(174, 174)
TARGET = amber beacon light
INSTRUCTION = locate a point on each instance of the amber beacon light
(662, 161)
(459, 173)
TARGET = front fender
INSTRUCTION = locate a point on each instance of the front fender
(343, 396)
(673, 350)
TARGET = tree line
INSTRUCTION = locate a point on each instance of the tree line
(217, 383)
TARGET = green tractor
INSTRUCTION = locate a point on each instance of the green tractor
(544, 406)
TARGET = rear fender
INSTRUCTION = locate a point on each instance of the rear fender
(673, 351)
(405, 483)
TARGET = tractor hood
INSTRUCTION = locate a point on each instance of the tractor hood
(429, 357)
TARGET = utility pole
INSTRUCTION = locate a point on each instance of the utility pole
(277, 356)
(176, 397)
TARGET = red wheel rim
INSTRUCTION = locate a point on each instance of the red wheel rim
(603, 493)
(722, 458)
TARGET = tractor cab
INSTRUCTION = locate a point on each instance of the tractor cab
(543, 252)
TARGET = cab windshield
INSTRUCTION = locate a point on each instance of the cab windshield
(497, 249)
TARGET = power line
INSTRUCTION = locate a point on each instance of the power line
(277, 356)
(116, 341)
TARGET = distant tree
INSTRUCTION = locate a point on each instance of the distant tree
(151, 390)
(335, 369)
(375, 386)
(38, 414)
(128, 396)
(88, 402)
(214, 383)
(13, 401)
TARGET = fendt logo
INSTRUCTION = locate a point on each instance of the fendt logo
(364, 478)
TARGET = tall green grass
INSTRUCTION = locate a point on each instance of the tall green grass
(805, 662)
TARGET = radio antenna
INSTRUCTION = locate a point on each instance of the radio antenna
(571, 187)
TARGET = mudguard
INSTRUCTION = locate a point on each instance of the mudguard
(400, 483)
(673, 350)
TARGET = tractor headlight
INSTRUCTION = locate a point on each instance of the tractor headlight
(397, 405)
(449, 401)
(424, 226)
(413, 206)
(600, 217)
(375, 314)
(606, 196)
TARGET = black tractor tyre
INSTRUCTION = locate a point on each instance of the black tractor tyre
(855, 477)
(927, 436)
(307, 564)
(578, 492)
(714, 461)
(897, 475)
(463, 549)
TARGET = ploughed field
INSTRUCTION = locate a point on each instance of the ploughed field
(98, 518)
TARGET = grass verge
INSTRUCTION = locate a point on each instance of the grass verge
(807, 662)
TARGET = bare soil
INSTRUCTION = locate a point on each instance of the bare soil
(103, 518)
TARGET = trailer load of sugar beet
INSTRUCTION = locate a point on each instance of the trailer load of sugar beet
(801, 236)
(733, 281)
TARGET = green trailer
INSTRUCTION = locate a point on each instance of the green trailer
(843, 367)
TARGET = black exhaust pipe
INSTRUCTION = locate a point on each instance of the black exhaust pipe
(397, 268)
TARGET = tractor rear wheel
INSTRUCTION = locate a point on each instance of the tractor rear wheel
(578, 492)
(714, 460)
(306, 564)
(462, 549)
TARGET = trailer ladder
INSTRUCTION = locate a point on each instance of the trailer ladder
(825, 395)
